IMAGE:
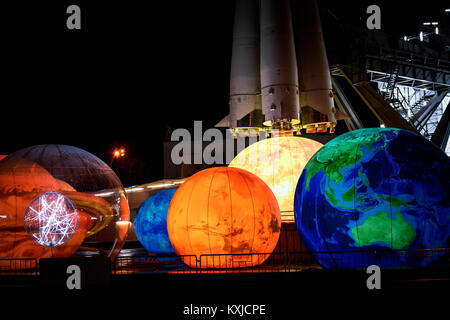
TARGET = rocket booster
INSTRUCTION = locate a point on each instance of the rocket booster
(279, 81)
(275, 74)
(313, 69)
(245, 85)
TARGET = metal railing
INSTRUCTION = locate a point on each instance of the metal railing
(258, 262)
(404, 56)
(155, 264)
(387, 259)
(286, 261)
(19, 266)
(241, 262)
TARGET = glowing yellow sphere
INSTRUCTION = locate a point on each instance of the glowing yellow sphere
(279, 162)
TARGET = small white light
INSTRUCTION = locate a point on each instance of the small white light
(421, 35)
(427, 23)
(104, 194)
(160, 185)
(447, 10)
(435, 23)
(436, 30)
(405, 38)
(134, 189)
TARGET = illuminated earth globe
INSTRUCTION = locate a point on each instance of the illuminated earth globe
(373, 190)
(278, 161)
(225, 218)
(150, 224)
(55, 199)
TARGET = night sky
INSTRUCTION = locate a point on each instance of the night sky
(135, 69)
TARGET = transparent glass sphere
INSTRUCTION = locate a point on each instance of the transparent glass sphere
(32, 179)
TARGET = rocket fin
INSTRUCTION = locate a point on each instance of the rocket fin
(223, 123)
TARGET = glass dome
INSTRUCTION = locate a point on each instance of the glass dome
(56, 200)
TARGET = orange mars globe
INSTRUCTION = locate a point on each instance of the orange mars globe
(225, 218)
(279, 162)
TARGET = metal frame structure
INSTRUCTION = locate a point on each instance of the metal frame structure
(379, 76)
(270, 262)
(412, 69)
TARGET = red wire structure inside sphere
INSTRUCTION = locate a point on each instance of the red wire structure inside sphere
(51, 219)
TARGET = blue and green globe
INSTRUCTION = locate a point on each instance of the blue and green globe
(370, 196)
(150, 224)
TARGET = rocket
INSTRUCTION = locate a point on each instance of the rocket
(279, 71)
(279, 81)
(245, 84)
(316, 91)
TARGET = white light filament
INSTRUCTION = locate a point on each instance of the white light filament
(51, 219)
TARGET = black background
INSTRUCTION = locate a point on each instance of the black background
(135, 69)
